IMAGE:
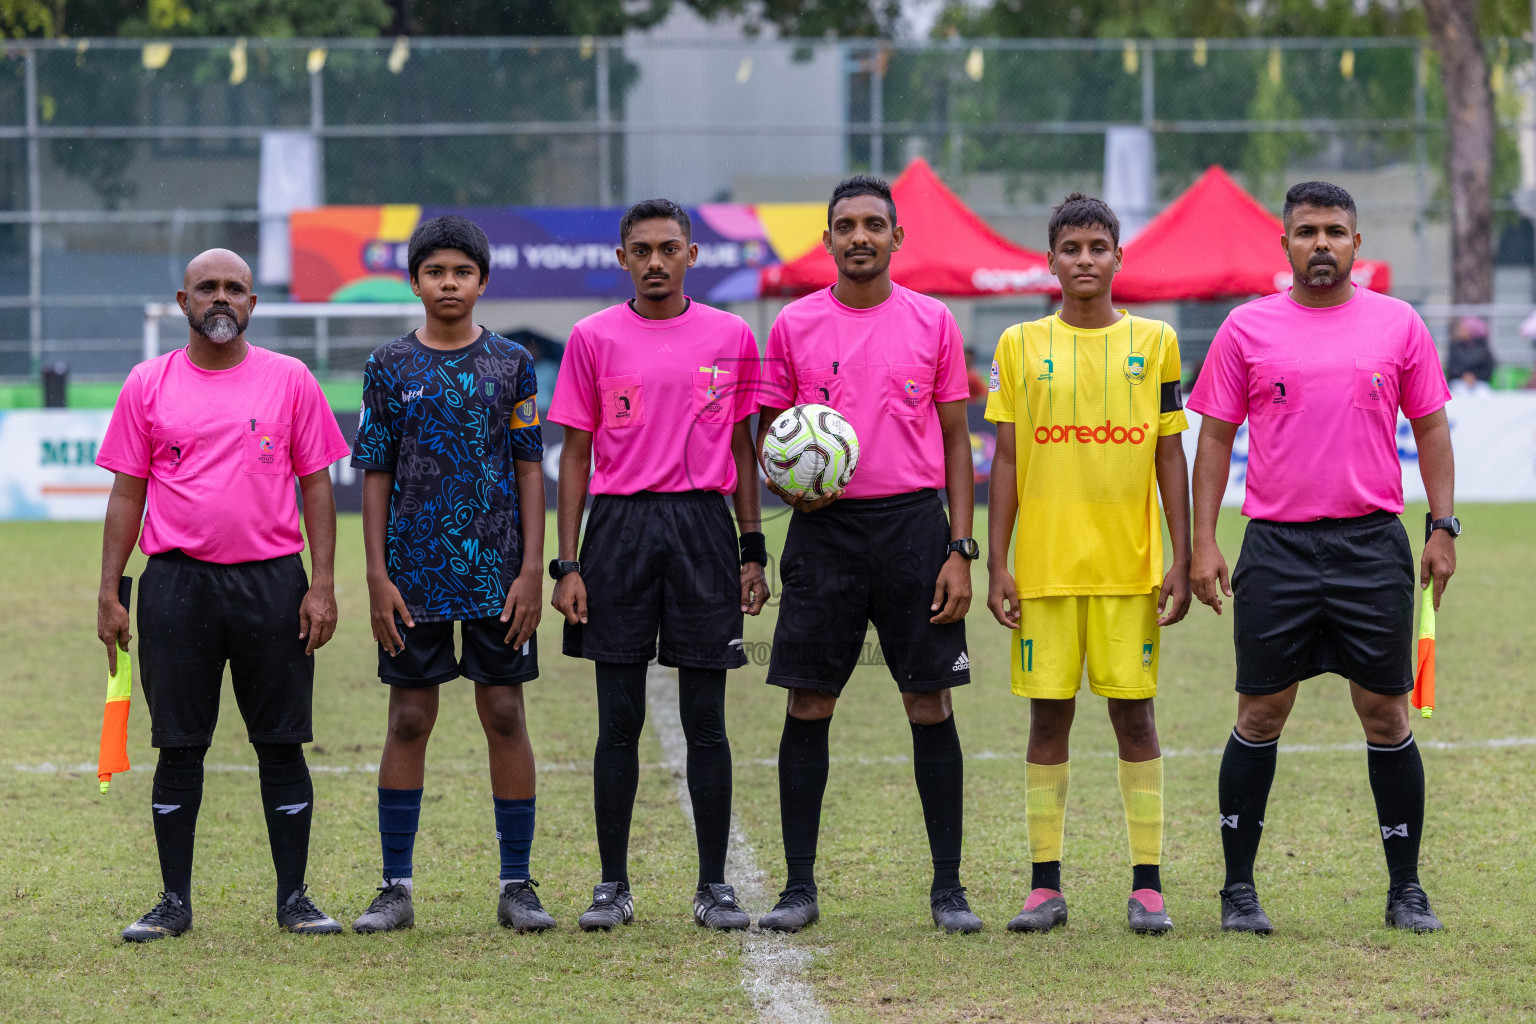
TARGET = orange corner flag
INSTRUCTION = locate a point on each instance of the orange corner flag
(1424, 679)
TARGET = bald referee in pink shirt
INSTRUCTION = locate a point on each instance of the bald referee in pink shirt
(206, 442)
(1325, 579)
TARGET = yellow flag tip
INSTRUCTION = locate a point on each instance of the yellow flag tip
(1427, 712)
(104, 784)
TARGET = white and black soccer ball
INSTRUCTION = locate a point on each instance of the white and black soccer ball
(811, 450)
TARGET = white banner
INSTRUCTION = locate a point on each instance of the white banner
(1493, 435)
(48, 464)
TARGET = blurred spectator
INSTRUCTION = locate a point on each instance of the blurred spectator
(1470, 360)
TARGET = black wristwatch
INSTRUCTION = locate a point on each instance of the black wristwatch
(967, 546)
(559, 567)
(1449, 523)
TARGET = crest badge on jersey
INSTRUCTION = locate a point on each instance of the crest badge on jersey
(1047, 368)
(1135, 367)
(995, 382)
(526, 414)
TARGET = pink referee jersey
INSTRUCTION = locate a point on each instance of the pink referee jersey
(220, 449)
(883, 368)
(659, 396)
(1321, 389)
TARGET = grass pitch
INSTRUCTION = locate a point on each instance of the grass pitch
(76, 867)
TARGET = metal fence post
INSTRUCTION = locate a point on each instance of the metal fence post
(604, 129)
(1421, 168)
(35, 220)
(1148, 96)
(317, 128)
(877, 114)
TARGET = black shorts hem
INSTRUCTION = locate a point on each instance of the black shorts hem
(517, 679)
(185, 739)
(307, 736)
(794, 683)
(611, 657)
(667, 660)
(934, 685)
(1265, 689)
(417, 683)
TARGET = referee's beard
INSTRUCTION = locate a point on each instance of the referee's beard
(219, 325)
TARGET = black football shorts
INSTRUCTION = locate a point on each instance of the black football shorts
(863, 560)
(1333, 595)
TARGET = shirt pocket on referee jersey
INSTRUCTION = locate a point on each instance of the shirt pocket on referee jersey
(820, 385)
(1376, 385)
(266, 448)
(1275, 389)
(623, 401)
(173, 451)
(712, 402)
(909, 391)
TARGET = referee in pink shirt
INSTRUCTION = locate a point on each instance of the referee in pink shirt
(1325, 579)
(884, 551)
(206, 442)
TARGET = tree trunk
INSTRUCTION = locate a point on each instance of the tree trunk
(1469, 145)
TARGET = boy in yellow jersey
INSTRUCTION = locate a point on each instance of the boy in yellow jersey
(1088, 413)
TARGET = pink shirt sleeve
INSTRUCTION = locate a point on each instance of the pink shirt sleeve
(126, 447)
(1221, 390)
(749, 388)
(778, 372)
(1423, 389)
(317, 439)
(574, 403)
(950, 381)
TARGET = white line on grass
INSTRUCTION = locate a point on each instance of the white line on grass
(773, 970)
(1501, 743)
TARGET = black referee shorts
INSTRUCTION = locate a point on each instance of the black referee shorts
(863, 560)
(1334, 595)
(193, 617)
(427, 658)
(660, 563)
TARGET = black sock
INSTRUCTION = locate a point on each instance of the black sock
(175, 798)
(616, 762)
(1146, 876)
(802, 783)
(939, 767)
(1247, 772)
(701, 701)
(288, 798)
(1045, 874)
(1397, 782)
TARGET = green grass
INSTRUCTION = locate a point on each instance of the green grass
(76, 867)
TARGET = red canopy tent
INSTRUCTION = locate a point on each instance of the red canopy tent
(949, 250)
(1216, 241)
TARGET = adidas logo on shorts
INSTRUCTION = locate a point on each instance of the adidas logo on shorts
(961, 664)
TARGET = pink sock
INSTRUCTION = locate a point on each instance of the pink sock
(1149, 898)
(1039, 896)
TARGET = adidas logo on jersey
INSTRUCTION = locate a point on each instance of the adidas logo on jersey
(961, 664)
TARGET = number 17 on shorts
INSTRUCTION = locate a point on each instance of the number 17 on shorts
(1114, 636)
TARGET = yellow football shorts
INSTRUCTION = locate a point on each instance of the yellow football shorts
(1117, 635)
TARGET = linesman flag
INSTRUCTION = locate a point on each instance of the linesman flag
(113, 757)
(1424, 678)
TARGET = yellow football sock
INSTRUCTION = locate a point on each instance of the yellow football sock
(1141, 787)
(1045, 808)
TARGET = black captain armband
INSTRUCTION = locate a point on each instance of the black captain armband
(1173, 396)
(754, 548)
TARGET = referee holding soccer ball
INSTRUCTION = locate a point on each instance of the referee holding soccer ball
(891, 362)
(1325, 579)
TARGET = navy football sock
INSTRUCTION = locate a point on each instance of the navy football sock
(514, 831)
(399, 816)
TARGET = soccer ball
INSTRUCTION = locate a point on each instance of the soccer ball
(811, 450)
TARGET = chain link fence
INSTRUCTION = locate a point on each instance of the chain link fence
(121, 159)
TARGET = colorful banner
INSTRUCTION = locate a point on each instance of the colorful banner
(358, 253)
